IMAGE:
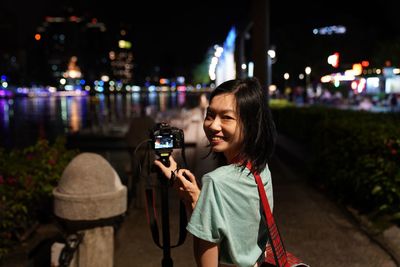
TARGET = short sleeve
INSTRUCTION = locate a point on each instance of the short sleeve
(207, 220)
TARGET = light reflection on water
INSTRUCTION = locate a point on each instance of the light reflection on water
(23, 120)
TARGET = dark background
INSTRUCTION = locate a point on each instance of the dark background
(174, 36)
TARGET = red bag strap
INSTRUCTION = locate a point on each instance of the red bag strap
(275, 239)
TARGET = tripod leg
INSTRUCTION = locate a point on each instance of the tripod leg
(166, 261)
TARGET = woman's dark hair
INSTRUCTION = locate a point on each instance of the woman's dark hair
(256, 119)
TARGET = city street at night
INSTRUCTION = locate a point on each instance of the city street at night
(92, 92)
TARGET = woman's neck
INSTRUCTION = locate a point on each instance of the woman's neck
(233, 158)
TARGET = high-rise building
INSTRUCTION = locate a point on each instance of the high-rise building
(121, 58)
(60, 39)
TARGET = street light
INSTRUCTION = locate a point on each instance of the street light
(308, 72)
(286, 76)
(271, 59)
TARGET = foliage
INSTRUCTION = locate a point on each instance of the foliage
(27, 178)
(280, 103)
(200, 72)
(356, 154)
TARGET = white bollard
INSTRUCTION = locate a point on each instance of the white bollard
(88, 200)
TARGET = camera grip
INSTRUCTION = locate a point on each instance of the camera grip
(165, 161)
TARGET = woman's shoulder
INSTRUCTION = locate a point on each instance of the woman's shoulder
(234, 168)
(232, 172)
(224, 170)
(225, 173)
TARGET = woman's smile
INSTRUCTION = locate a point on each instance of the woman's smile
(217, 139)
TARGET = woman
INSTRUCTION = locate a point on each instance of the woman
(226, 221)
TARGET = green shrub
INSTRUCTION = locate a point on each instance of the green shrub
(356, 155)
(27, 178)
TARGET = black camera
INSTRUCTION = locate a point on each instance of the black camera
(165, 138)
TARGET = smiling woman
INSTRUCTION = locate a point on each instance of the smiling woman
(225, 212)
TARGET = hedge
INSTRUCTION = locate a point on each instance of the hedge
(355, 154)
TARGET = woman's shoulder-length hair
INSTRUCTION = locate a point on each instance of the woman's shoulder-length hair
(259, 130)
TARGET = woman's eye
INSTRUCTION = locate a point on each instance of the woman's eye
(209, 116)
(228, 117)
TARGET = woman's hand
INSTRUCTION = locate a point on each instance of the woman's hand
(187, 187)
(183, 181)
(167, 171)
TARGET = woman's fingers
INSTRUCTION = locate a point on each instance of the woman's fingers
(172, 162)
(162, 167)
(186, 177)
(188, 189)
(159, 164)
(191, 176)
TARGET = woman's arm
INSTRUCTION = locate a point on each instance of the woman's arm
(205, 253)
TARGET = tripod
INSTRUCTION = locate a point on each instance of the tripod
(166, 240)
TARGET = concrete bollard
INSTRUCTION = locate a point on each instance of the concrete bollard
(88, 201)
(96, 249)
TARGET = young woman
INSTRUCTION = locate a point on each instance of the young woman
(226, 221)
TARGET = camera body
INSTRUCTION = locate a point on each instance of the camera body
(165, 138)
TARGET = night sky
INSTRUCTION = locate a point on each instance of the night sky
(175, 37)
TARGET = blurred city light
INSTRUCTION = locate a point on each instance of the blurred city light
(307, 70)
(123, 44)
(334, 60)
(329, 30)
(271, 59)
(365, 63)
(250, 71)
(105, 78)
(214, 62)
(357, 69)
(272, 53)
(225, 69)
(286, 76)
(272, 88)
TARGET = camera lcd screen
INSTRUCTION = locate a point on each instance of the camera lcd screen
(164, 141)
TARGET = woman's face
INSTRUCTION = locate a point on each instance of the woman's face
(222, 126)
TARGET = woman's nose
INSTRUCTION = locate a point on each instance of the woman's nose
(215, 125)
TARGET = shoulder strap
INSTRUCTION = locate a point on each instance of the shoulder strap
(275, 239)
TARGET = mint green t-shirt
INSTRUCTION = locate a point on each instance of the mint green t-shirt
(228, 213)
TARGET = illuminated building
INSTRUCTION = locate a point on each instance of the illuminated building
(121, 59)
(59, 39)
